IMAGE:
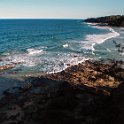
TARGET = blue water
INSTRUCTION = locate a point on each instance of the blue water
(48, 45)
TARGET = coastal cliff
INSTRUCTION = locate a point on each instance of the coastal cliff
(117, 20)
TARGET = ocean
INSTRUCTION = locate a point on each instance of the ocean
(49, 46)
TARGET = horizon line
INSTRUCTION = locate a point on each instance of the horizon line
(47, 18)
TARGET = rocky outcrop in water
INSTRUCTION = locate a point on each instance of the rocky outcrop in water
(93, 74)
(5, 67)
(117, 20)
(9, 66)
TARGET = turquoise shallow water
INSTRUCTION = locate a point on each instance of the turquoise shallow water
(50, 46)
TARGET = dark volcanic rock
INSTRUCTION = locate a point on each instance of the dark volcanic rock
(6, 67)
(109, 20)
(87, 93)
(92, 74)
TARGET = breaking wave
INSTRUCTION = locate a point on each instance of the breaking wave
(34, 51)
(65, 45)
(92, 40)
(28, 59)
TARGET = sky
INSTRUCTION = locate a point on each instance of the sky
(73, 9)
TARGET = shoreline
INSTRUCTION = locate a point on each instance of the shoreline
(89, 65)
(104, 27)
(100, 37)
(117, 38)
(13, 64)
(85, 85)
(32, 74)
(84, 73)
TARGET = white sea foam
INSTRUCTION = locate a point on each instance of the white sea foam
(28, 59)
(92, 24)
(25, 60)
(22, 59)
(122, 54)
(52, 62)
(92, 40)
(65, 45)
(62, 62)
(34, 51)
(100, 38)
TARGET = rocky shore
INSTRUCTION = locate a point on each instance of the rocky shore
(8, 66)
(117, 20)
(5, 67)
(88, 93)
